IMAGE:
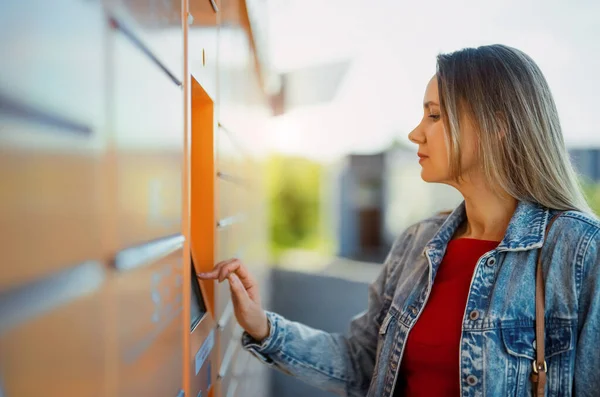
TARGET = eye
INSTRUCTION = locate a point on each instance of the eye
(434, 117)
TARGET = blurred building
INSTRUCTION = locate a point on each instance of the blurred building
(361, 207)
(379, 195)
(587, 162)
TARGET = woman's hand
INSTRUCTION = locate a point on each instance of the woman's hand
(244, 294)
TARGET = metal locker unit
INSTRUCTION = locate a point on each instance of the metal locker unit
(100, 105)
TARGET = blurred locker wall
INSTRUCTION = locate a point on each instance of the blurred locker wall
(97, 289)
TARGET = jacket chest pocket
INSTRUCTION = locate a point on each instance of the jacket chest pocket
(520, 344)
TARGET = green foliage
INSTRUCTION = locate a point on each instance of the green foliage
(592, 194)
(294, 186)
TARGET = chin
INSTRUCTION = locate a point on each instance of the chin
(425, 176)
(430, 177)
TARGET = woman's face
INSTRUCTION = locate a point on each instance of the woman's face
(430, 136)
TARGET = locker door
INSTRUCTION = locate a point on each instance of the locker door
(146, 149)
(147, 137)
(52, 137)
(147, 316)
(52, 335)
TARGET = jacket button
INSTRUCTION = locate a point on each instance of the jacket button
(491, 261)
(472, 380)
(474, 315)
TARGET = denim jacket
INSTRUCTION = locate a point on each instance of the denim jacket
(497, 345)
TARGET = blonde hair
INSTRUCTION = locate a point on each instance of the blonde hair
(521, 145)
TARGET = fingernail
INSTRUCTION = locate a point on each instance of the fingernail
(234, 279)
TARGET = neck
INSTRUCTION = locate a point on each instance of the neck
(488, 214)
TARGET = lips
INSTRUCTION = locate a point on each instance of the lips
(422, 156)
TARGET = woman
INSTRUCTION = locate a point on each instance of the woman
(453, 311)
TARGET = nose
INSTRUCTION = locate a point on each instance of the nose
(416, 136)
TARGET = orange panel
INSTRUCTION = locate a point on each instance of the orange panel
(204, 13)
(202, 371)
(203, 192)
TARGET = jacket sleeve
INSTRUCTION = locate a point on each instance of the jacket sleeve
(342, 364)
(587, 358)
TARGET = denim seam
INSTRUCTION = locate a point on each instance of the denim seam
(578, 216)
(580, 266)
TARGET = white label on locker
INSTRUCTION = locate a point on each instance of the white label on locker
(205, 350)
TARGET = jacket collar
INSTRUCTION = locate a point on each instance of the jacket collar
(525, 230)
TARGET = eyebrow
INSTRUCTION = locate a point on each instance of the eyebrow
(429, 103)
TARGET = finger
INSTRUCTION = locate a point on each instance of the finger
(242, 272)
(214, 273)
(254, 293)
(248, 282)
(235, 265)
(238, 291)
(208, 275)
(226, 269)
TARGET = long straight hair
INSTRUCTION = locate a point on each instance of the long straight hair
(521, 144)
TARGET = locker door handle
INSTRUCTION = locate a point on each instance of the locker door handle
(23, 111)
(226, 316)
(23, 303)
(224, 176)
(118, 25)
(228, 358)
(130, 258)
(231, 220)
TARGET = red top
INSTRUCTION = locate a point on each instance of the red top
(431, 355)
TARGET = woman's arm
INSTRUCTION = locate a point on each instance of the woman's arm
(334, 362)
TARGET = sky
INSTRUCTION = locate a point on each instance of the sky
(392, 46)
